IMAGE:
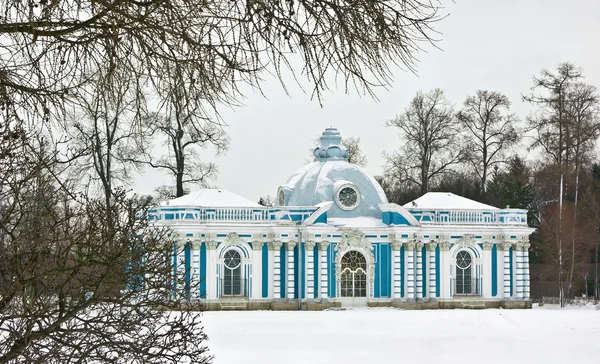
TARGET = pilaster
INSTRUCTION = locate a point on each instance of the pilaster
(396, 273)
(526, 277)
(445, 270)
(419, 273)
(487, 270)
(432, 271)
(310, 269)
(291, 282)
(278, 275)
(506, 246)
(409, 254)
(519, 272)
(323, 283)
(257, 247)
(211, 274)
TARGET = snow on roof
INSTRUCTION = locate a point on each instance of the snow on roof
(446, 200)
(363, 222)
(213, 198)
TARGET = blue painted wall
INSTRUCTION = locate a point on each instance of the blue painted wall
(203, 271)
(494, 271)
(265, 271)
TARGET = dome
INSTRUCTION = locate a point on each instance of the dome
(331, 178)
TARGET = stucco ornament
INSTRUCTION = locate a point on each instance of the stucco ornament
(466, 241)
(355, 240)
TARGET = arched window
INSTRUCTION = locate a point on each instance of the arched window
(353, 280)
(464, 282)
(232, 280)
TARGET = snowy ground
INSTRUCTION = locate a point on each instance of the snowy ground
(542, 335)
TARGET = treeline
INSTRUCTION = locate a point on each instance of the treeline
(545, 162)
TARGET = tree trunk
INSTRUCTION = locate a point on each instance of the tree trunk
(561, 291)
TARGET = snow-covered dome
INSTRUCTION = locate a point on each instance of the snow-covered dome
(331, 178)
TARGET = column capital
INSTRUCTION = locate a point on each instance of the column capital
(410, 245)
(445, 246)
(309, 245)
(290, 244)
(506, 245)
(196, 244)
(211, 244)
(526, 246)
(487, 245)
(431, 246)
(275, 245)
(396, 245)
(323, 245)
(419, 245)
(519, 246)
(257, 245)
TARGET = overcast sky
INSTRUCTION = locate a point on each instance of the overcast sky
(485, 44)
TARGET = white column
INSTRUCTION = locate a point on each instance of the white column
(323, 278)
(257, 247)
(310, 269)
(419, 248)
(211, 270)
(278, 276)
(445, 270)
(396, 274)
(195, 280)
(432, 273)
(526, 277)
(487, 270)
(519, 271)
(506, 272)
(271, 260)
(290, 269)
(409, 253)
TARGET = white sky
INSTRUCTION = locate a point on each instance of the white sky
(493, 44)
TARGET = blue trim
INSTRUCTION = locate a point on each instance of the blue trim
(494, 271)
(221, 235)
(386, 267)
(377, 292)
(331, 270)
(455, 236)
(188, 269)
(203, 271)
(424, 271)
(437, 271)
(265, 271)
(245, 235)
(189, 234)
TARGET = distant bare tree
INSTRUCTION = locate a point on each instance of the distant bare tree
(355, 155)
(431, 141)
(487, 119)
(266, 201)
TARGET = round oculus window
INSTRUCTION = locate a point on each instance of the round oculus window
(281, 198)
(348, 197)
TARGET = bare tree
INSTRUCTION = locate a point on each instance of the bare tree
(566, 127)
(355, 155)
(73, 288)
(49, 47)
(431, 141)
(487, 118)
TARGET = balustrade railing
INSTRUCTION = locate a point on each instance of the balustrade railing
(470, 217)
(194, 215)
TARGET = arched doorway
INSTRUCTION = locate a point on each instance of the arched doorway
(353, 279)
(232, 274)
(465, 282)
